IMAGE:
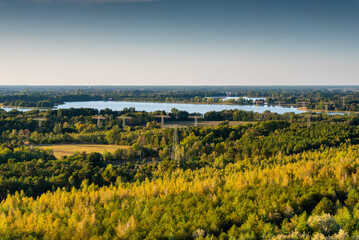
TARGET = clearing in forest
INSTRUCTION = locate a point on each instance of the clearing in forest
(208, 123)
(68, 149)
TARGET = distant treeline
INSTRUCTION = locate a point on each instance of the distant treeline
(43, 99)
(317, 98)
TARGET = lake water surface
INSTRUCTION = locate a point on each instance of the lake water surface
(191, 108)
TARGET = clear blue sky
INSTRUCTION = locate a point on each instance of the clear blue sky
(179, 42)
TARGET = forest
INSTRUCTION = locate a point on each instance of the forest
(275, 176)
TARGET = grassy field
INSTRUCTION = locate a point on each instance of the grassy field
(68, 149)
(206, 123)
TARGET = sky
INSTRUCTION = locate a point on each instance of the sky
(179, 42)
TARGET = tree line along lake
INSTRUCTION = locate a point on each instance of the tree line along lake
(159, 106)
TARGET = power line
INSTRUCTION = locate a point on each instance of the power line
(162, 119)
(124, 120)
(196, 117)
(344, 101)
(99, 118)
(40, 120)
(304, 105)
(175, 148)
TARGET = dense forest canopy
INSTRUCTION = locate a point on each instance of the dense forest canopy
(252, 176)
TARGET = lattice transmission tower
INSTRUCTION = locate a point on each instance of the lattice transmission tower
(175, 154)
(196, 117)
(124, 120)
(40, 120)
(162, 119)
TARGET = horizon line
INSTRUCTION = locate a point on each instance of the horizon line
(173, 85)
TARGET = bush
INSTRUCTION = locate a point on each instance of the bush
(324, 224)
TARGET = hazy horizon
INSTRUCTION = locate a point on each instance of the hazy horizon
(179, 42)
(187, 85)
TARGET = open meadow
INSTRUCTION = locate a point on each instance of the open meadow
(68, 149)
(208, 123)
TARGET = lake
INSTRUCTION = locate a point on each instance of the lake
(155, 106)
(246, 98)
(191, 108)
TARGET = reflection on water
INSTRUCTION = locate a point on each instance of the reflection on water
(245, 98)
(155, 106)
(191, 108)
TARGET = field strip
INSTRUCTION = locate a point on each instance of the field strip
(68, 149)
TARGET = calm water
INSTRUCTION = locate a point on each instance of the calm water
(246, 98)
(191, 108)
(153, 106)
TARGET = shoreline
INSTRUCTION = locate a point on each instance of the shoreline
(17, 107)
